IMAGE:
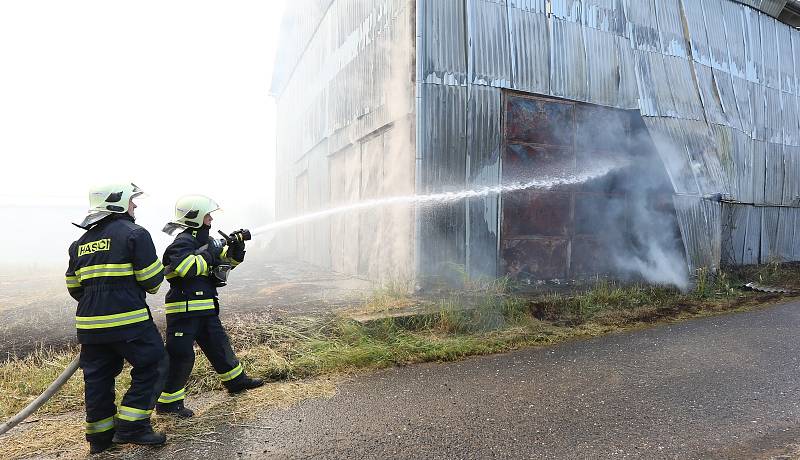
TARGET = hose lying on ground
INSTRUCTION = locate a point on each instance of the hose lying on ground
(43, 398)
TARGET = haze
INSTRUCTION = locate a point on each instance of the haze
(172, 95)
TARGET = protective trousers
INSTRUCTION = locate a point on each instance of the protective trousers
(210, 335)
(102, 363)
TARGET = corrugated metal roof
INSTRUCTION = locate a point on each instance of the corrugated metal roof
(759, 171)
(771, 7)
(530, 40)
(568, 73)
(670, 29)
(791, 186)
(715, 34)
(602, 67)
(300, 22)
(787, 221)
(774, 169)
(752, 41)
(568, 10)
(700, 223)
(489, 47)
(643, 27)
(769, 235)
(444, 53)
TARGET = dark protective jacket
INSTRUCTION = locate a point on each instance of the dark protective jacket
(110, 268)
(192, 291)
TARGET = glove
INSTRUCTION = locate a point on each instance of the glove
(237, 239)
(236, 252)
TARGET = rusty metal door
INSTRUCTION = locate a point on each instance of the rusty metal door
(548, 234)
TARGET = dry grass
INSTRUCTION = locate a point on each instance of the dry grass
(22, 380)
(62, 435)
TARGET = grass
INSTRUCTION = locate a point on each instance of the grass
(299, 352)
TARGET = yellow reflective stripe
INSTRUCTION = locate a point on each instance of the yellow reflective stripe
(73, 281)
(171, 274)
(149, 272)
(154, 290)
(133, 414)
(202, 266)
(231, 374)
(167, 398)
(96, 271)
(191, 305)
(175, 307)
(183, 268)
(100, 425)
(201, 304)
(119, 319)
(234, 263)
(224, 252)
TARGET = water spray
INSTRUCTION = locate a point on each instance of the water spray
(435, 199)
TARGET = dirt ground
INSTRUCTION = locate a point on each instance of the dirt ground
(35, 309)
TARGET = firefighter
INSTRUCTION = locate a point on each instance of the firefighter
(111, 268)
(196, 265)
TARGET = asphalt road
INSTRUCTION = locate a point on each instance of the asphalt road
(722, 387)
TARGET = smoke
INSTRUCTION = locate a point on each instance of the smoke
(639, 229)
(646, 242)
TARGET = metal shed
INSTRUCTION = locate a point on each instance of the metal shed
(394, 97)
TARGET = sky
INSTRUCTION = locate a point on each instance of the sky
(172, 95)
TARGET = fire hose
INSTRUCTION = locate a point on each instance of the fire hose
(238, 236)
(43, 398)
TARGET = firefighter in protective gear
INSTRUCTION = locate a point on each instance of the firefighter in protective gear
(111, 268)
(192, 306)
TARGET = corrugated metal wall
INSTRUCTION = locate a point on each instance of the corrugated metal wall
(716, 81)
(343, 82)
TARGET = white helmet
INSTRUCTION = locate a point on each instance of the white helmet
(108, 199)
(190, 211)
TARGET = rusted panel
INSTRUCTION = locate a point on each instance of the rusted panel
(529, 214)
(591, 208)
(540, 122)
(538, 259)
(589, 257)
(607, 136)
(523, 162)
(556, 234)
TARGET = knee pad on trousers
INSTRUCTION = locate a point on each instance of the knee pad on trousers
(180, 348)
(163, 367)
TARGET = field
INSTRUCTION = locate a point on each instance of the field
(36, 311)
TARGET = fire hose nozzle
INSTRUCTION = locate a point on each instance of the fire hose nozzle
(236, 237)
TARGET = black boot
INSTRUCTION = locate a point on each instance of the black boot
(98, 442)
(95, 447)
(176, 408)
(243, 383)
(138, 433)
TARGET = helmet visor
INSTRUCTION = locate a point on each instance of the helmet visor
(137, 191)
